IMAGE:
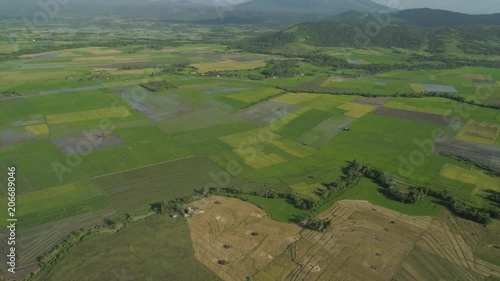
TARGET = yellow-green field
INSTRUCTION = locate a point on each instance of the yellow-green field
(479, 132)
(227, 65)
(417, 88)
(478, 178)
(356, 110)
(39, 130)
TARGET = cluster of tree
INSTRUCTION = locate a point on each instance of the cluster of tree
(173, 206)
(413, 196)
(303, 203)
(354, 172)
(450, 96)
(155, 86)
(10, 93)
(334, 34)
(493, 196)
(50, 259)
(234, 74)
(280, 68)
(313, 223)
(176, 69)
(265, 43)
(96, 76)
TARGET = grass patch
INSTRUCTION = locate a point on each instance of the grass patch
(367, 190)
(107, 256)
(279, 209)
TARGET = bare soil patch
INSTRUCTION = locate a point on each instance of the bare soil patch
(412, 115)
(487, 155)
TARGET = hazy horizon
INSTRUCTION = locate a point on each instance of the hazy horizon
(463, 6)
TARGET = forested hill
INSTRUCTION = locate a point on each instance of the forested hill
(440, 18)
(471, 39)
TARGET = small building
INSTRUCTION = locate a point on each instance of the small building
(174, 215)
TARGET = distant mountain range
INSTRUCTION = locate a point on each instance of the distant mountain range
(320, 7)
(438, 32)
(280, 12)
(431, 17)
(425, 18)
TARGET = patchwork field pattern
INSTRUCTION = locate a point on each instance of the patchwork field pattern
(479, 132)
(479, 179)
(254, 147)
(136, 188)
(487, 155)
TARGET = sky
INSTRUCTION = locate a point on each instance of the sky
(464, 6)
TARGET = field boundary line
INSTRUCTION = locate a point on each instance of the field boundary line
(146, 166)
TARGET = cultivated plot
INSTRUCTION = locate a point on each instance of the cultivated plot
(265, 113)
(236, 239)
(87, 143)
(479, 132)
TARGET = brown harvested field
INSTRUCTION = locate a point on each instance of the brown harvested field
(487, 155)
(316, 85)
(332, 79)
(372, 101)
(313, 83)
(370, 52)
(455, 240)
(476, 76)
(364, 241)
(391, 78)
(484, 81)
(228, 65)
(368, 242)
(220, 221)
(414, 116)
(119, 65)
(103, 51)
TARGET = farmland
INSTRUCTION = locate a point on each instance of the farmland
(114, 127)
